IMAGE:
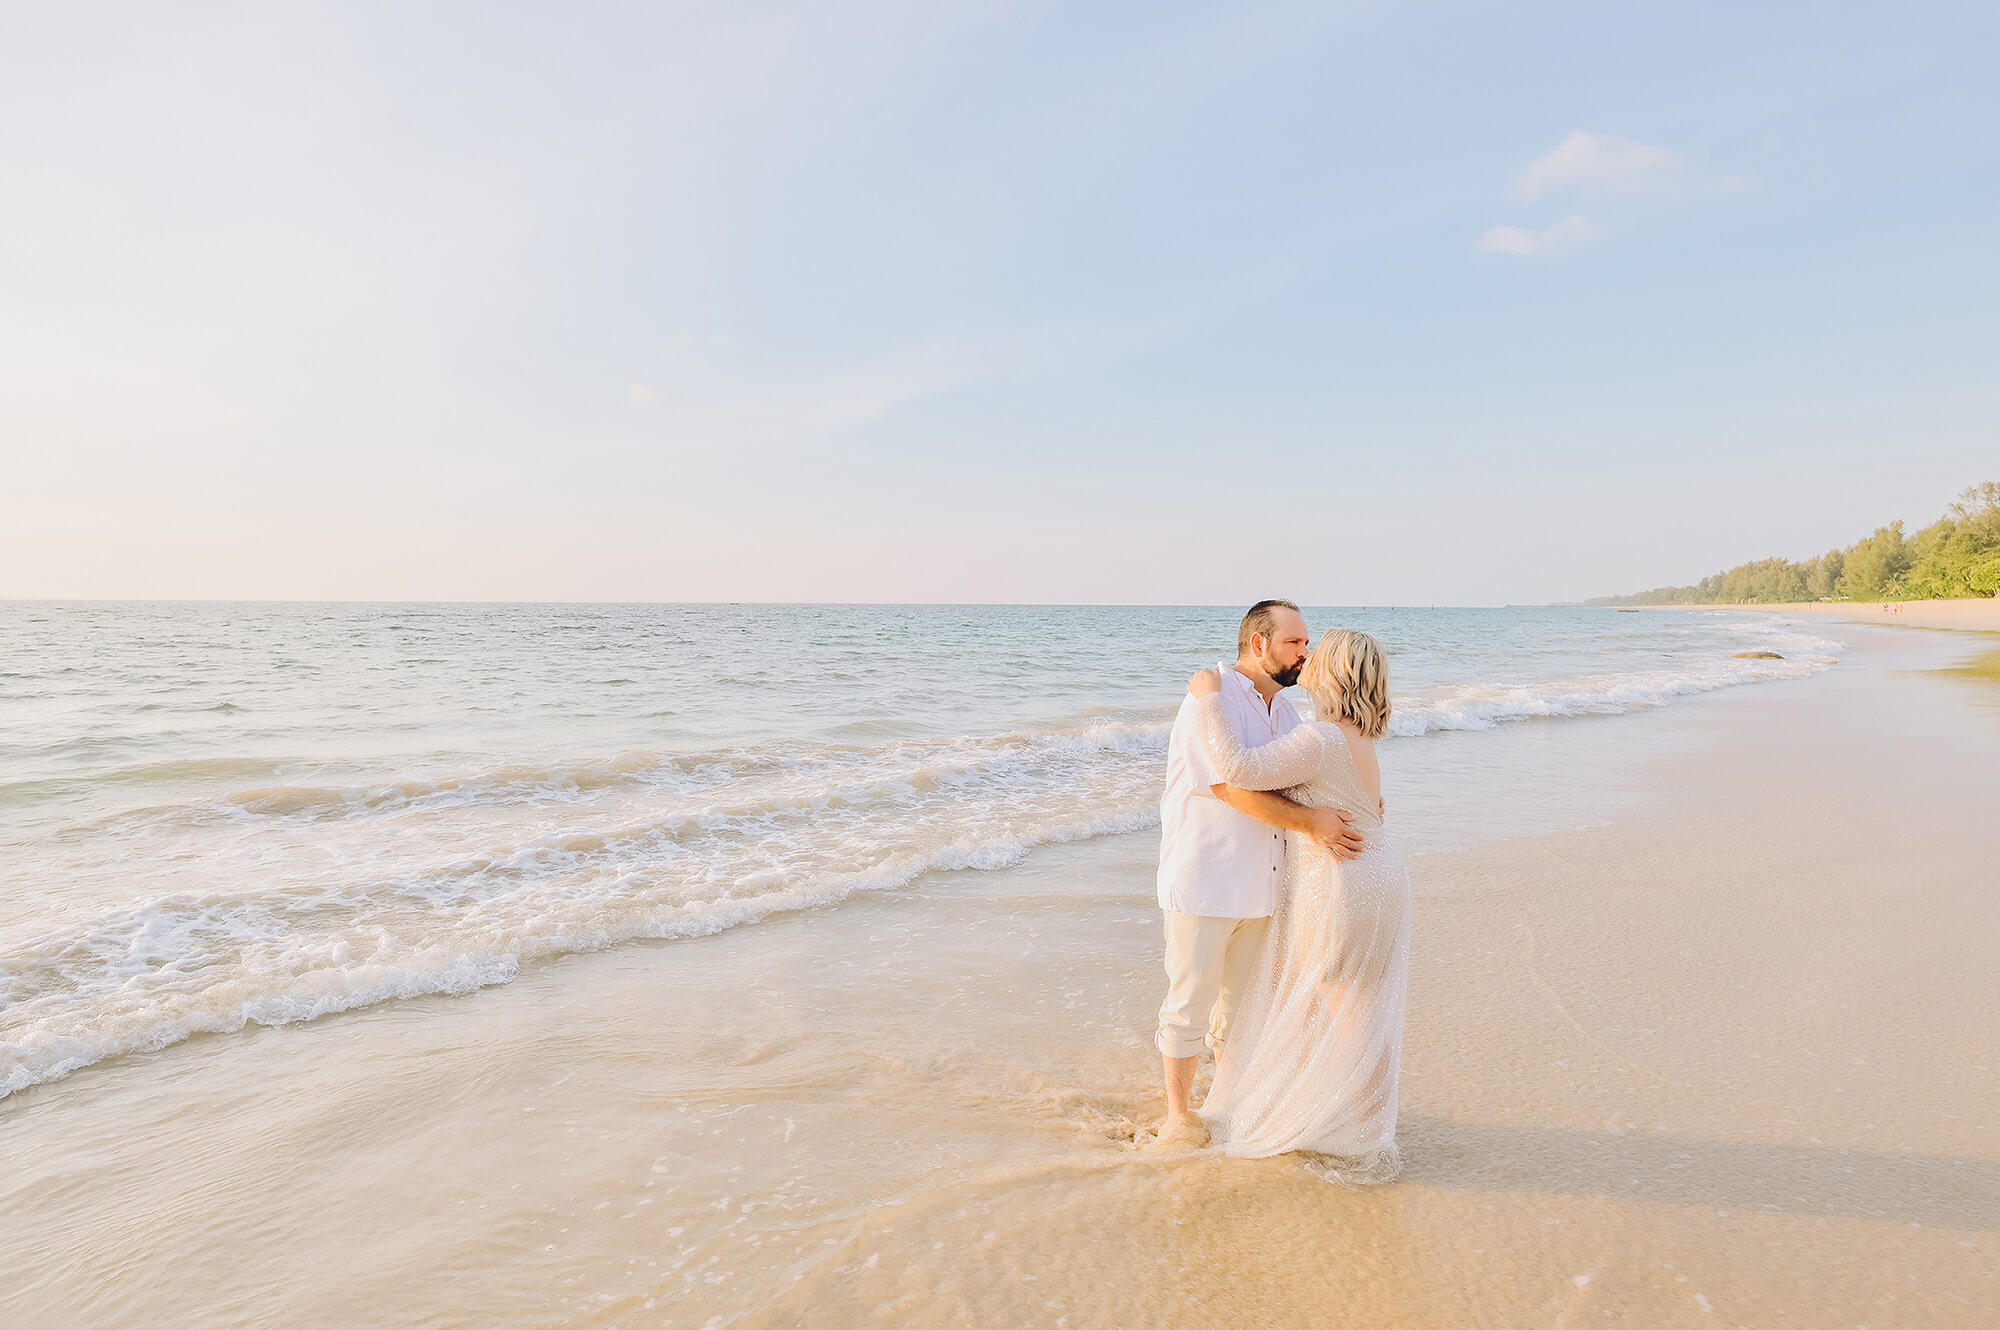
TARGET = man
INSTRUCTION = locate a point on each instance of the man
(1222, 856)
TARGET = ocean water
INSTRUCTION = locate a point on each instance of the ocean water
(220, 814)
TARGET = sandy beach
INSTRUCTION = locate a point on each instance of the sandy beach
(1974, 615)
(597, 615)
(1725, 1059)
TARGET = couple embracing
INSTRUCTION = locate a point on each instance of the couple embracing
(1287, 908)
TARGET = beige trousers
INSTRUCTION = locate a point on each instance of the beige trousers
(1209, 964)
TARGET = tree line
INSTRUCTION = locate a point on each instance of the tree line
(1954, 557)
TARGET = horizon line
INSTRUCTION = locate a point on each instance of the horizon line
(792, 604)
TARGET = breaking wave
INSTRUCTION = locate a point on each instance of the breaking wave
(276, 903)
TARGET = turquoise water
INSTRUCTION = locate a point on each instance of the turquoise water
(212, 814)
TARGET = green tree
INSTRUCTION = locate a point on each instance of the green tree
(1875, 566)
(1822, 577)
(1765, 582)
(1957, 555)
(1983, 578)
(1979, 505)
(1950, 557)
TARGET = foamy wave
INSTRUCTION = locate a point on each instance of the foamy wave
(1483, 706)
(793, 834)
(311, 900)
(302, 980)
(832, 771)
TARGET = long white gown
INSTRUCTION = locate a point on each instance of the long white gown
(1312, 1059)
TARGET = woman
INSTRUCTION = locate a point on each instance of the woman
(1312, 1063)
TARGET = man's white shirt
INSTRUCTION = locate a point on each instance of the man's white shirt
(1213, 859)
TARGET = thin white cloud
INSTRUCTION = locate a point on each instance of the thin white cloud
(1554, 238)
(1607, 168)
(1602, 164)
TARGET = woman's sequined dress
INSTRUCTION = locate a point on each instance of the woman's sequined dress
(1312, 1058)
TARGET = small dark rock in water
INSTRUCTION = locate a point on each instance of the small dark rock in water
(1758, 655)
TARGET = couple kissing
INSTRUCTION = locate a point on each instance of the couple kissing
(1287, 906)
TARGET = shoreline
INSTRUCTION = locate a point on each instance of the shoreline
(1716, 1060)
(1980, 616)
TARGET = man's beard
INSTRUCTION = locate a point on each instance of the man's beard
(1286, 678)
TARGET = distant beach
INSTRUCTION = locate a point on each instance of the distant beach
(1977, 615)
(1698, 1025)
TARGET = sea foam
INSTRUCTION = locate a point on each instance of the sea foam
(276, 902)
(1482, 706)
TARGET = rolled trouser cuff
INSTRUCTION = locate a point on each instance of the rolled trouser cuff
(1203, 954)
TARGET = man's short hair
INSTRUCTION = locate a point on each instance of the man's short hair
(1262, 620)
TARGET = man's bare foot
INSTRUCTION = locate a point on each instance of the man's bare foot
(1186, 1132)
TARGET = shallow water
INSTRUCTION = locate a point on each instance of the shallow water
(220, 815)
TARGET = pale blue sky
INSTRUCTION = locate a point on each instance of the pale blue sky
(1118, 302)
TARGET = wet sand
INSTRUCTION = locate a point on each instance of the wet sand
(1728, 1059)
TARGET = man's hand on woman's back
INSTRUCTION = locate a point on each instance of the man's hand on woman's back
(1328, 827)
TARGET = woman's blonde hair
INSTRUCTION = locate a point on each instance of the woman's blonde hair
(1349, 680)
